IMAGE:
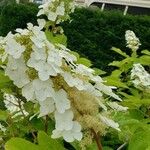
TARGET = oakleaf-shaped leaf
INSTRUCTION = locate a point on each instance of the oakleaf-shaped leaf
(20, 144)
(119, 51)
(3, 115)
(144, 60)
(47, 143)
(58, 38)
(84, 61)
(147, 52)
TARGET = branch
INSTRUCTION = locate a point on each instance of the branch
(97, 139)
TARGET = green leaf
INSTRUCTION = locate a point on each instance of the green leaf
(119, 51)
(125, 64)
(84, 61)
(4, 80)
(107, 148)
(47, 143)
(20, 144)
(99, 71)
(114, 79)
(29, 106)
(115, 82)
(58, 38)
(140, 140)
(135, 102)
(93, 146)
(3, 115)
(144, 60)
(75, 54)
(76, 145)
(147, 52)
(114, 63)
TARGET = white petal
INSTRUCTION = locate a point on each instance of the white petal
(110, 122)
(61, 101)
(78, 136)
(28, 92)
(41, 12)
(52, 16)
(56, 134)
(117, 107)
(67, 135)
(64, 120)
(46, 107)
(107, 90)
(41, 23)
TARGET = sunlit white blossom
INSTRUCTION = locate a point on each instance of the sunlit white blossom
(64, 120)
(60, 9)
(16, 70)
(61, 101)
(46, 107)
(81, 69)
(109, 122)
(69, 135)
(73, 82)
(41, 23)
(116, 106)
(107, 90)
(92, 90)
(54, 57)
(48, 10)
(66, 54)
(38, 37)
(39, 90)
(22, 31)
(13, 48)
(46, 63)
(45, 70)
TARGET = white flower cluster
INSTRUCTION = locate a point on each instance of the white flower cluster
(140, 77)
(33, 63)
(14, 105)
(132, 41)
(56, 10)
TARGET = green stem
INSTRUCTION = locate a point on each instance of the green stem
(46, 124)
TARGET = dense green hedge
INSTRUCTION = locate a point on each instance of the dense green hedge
(92, 33)
(16, 16)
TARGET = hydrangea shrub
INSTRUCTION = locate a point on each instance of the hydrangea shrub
(51, 79)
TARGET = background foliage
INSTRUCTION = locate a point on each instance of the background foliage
(16, 16)
(92, 33)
